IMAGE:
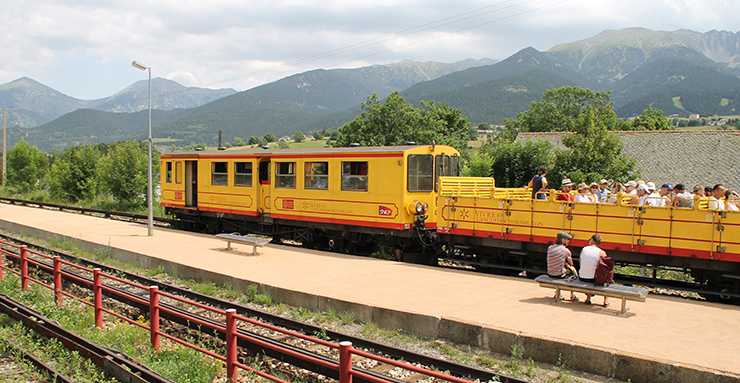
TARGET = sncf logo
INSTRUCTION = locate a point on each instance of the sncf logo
(382, 210)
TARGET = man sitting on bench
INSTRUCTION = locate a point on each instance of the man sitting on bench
(560, 260)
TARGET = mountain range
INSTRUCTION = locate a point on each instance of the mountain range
(680, 72)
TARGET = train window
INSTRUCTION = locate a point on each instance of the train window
(169, 172)
(420, 172)
(317, 175)
(243, 174)
(285, 175)
(446, 166)
(178, 172)
(219, 173)
(354, 176)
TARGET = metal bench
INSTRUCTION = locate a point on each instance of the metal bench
(624, 293)
(255, 242)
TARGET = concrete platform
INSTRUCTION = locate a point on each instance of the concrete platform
(666, 339)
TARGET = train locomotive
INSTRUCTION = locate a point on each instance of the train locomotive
(410, 201)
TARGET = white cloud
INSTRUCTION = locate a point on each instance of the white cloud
(84, 47)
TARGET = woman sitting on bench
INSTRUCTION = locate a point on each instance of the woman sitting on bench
(590, 256)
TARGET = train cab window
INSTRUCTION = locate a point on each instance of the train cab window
(219, 173)
(317, 175)
(285, 175)
(243, 174)
(178, 172)
(448, 166)
(169, 172)
(354, 176)
(420, 172)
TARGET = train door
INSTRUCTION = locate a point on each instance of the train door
(264, 187)
(191, 183)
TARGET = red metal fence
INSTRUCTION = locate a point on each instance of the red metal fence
(229, 326)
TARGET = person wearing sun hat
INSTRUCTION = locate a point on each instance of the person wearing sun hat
(582, 195)
(631, 187)
(567, 186)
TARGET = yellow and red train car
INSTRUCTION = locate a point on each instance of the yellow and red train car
(346, 197)
(506, 228)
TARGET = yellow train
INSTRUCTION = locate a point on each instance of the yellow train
(410, 201)
(343, 198)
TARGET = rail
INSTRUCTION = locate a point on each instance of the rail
(228, 325)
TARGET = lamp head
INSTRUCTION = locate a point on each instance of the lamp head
(139, 66)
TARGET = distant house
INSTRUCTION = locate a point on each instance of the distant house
(695, 115)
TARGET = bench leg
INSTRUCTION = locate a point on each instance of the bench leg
(557, 294)
(624, 305)
(254, 250)
(228, 245)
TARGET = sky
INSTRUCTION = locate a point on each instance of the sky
(84, 48)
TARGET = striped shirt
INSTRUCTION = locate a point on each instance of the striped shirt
(556, 256)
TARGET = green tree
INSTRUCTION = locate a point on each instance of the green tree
(299, 136)
(513, 163)
(27, 166)
(123, 172)
(652, 119)
(561, 108)
(74, 176)
(593, 152)
(318, 135)
(269, 137)
(239, 142)
(395, 122)
(283, 145)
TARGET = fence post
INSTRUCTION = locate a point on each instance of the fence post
(98, 297)
(2, 256)
(154, 316)
(58, 280)
(345, 362)
(24, 268)
(231, 341)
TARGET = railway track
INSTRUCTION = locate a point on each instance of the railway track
(287, 343)
(657, 285)
(114, 363)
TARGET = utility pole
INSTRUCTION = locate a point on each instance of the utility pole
(4, 166)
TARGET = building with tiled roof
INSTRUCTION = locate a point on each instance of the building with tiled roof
(677, 156)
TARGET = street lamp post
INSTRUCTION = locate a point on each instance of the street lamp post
(141, 66)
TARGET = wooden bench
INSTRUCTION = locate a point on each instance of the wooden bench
(624, 293)
(255, 242)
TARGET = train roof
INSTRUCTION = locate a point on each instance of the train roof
(308, 151)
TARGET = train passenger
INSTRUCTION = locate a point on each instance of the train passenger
(682, 197)
(660, 197)
(717, 202)
(698, 190)
(642, 193)
(565, 195)
(592, 190)
(590, 256)
(539, 183)
(617, 189)
(731, 200)
(708, 191)
(603, 192)
(582, 195)
(631, 187)
(651, 187)
(653, 198)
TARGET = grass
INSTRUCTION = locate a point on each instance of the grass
(175, 362)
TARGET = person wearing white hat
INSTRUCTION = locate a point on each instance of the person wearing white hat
(631, 187)
(642, 193)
